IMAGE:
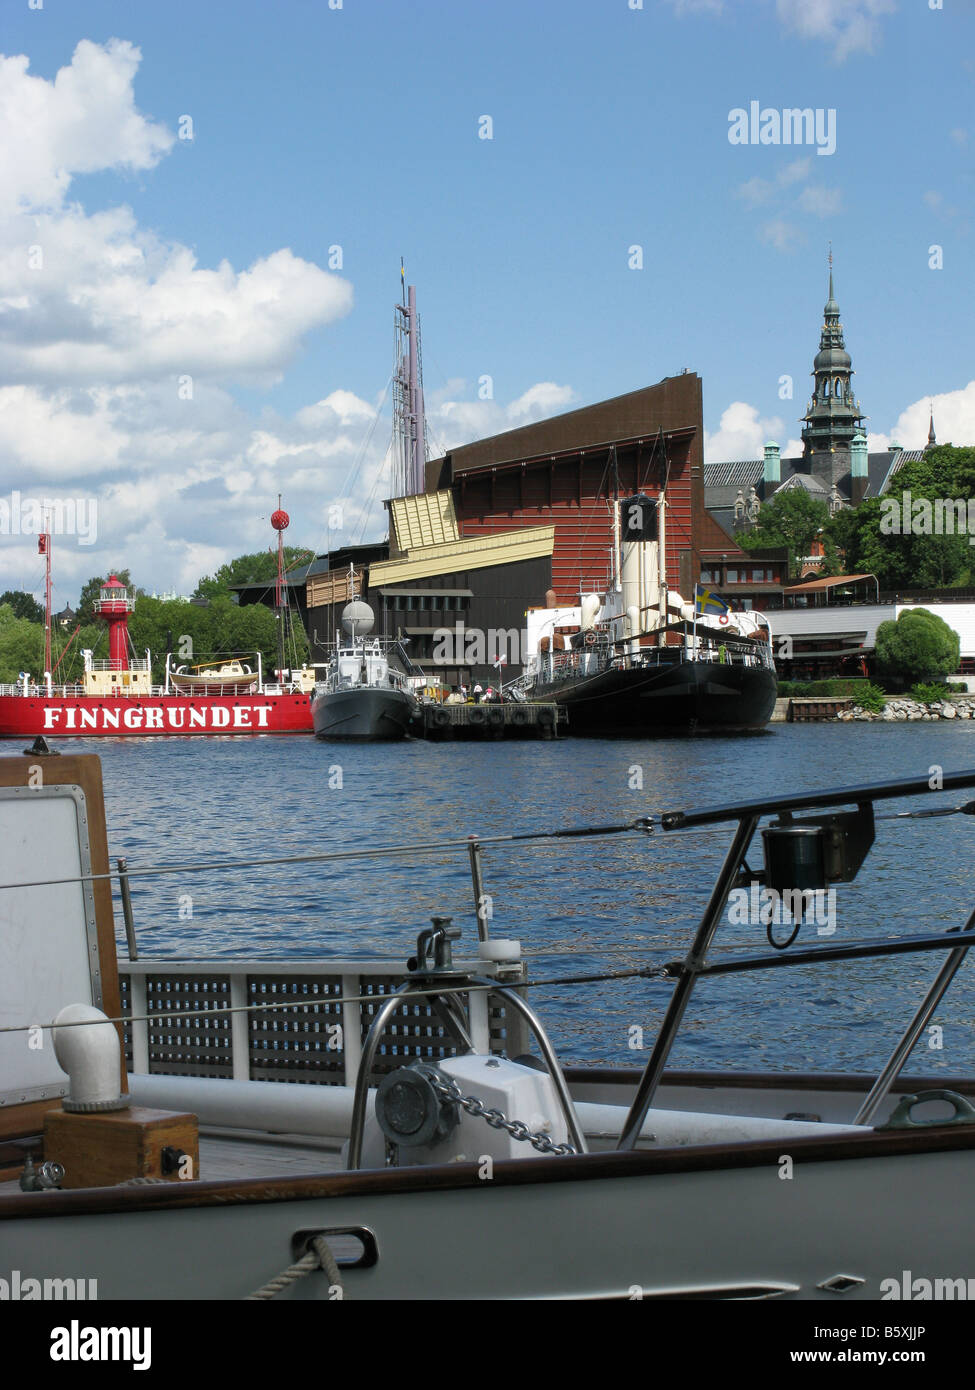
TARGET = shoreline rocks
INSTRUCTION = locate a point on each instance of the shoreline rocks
(904, 711)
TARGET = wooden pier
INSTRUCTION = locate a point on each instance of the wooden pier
(489, 721)
(806, 711)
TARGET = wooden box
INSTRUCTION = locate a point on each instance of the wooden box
(101, 1150)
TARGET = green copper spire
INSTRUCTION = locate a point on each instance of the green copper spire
(834, 414)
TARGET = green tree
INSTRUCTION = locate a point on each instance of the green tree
(201, 634)
(21, 645)
(23, 605)
(791, 518)
(249, 569)
(902, 560)
(918, 646)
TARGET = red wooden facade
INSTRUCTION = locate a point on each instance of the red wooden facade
(566, 471)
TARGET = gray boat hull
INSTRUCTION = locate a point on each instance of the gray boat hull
(364, 712)
(641, 1226)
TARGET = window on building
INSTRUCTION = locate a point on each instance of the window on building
(838, 388)
(731, 577)
(758, 576)
(707, 577)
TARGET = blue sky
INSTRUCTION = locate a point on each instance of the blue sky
(358, 127)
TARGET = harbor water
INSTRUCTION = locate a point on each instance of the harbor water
(577, 906)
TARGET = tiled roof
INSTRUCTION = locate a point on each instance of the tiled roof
(740, 472)
(901, 457)
(805, 480)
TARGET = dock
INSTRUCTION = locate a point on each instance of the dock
(442, 723)
(805, 711)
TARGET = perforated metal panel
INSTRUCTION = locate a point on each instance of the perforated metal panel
(189, 1046)
(305, 1043)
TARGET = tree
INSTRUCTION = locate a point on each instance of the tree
(918, 646)
(249, 569)
(23, 605)
(901, 559)
(792, 518)
(21, 645)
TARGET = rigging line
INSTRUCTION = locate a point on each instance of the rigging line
(357, 462)
(424, 846)
(610, 455)
(325, 1002)
(367, 511)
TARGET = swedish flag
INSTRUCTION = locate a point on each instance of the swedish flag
(707, 601)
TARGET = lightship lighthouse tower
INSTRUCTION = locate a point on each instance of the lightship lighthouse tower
(114, 605)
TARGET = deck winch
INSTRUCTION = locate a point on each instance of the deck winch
(409, 1109)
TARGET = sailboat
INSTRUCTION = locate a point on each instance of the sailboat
(639, 660)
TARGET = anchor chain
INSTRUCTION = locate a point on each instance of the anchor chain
(449, 1090)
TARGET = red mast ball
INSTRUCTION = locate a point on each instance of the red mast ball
(280, 520)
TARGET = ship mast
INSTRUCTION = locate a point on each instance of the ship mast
(280, 521)
(409, 423)
(44, 548)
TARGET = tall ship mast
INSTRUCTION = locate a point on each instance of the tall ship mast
(409, 422)
(116, 696)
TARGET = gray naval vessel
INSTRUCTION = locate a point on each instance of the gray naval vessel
(363, 696)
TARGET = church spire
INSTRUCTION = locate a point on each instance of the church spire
(834, 414)
(931, 439)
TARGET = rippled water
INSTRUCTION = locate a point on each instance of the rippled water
(577, 905)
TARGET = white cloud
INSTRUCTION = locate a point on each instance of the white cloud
(100, 318)
(821, 202)
(94, 297)
(83, 121)
(756, 192)
(794, 172)
(781, 234)
(742, 434)
(954, 419)
(456, 422)
(851, 26)
(813, 200)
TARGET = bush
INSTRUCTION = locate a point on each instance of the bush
(929, 694)
(917, 646)
(838, 687)
(871, 698)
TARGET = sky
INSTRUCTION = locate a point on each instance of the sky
(203, 210)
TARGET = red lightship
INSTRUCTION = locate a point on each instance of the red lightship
(116, 697)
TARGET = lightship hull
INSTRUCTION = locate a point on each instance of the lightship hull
(94, 716)
(680, 698)
(362, 713)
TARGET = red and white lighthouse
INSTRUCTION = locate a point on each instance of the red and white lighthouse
(114, 605)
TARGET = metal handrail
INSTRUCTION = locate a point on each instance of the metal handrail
(695, 965)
